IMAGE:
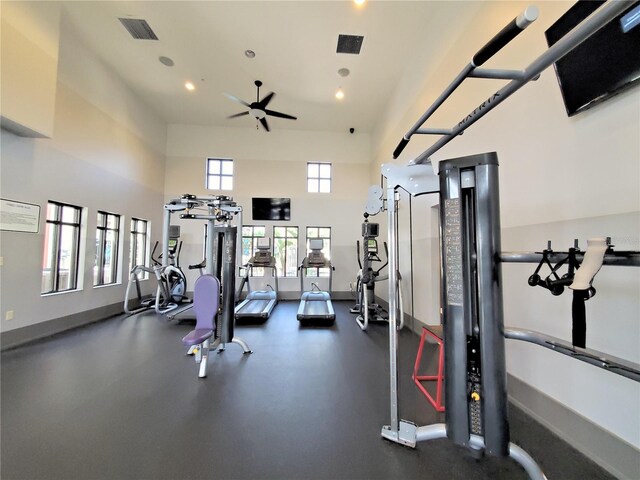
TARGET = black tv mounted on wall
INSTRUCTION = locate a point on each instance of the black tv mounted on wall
(602, 66)
(271, 208)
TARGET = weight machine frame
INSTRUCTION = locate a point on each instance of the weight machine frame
(471, 298)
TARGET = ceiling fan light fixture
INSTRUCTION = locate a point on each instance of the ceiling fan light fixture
(257, 113)
(344, 72)
(339, 94)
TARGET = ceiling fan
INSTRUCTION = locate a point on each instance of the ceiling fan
(258, 109)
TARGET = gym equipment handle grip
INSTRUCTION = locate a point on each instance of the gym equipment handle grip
(508, 33)
(400, 147)
(593, 258)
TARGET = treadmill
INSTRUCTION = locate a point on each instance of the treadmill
(315, 304)
(259, 303)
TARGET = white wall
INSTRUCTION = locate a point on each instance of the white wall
(99, 157)
(561, 178)
(273, 164)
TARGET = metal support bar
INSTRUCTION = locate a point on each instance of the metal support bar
(607, 362)
(434, 131)
(498, 74)
(392, 206)
(513, 28)
(620, 259)
(575, 37)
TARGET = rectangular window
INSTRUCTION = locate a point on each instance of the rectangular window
(285, 250)
(105, 271)
(219, 174)
(139, 245)
(61, 248)
(250, 236)
(325, 234)
(318, 177)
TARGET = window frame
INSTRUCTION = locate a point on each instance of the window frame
(286, 237)
(220, 175)
(101, 247)
(56, 236)
(319, 178)
(318, 272)
(134, 236)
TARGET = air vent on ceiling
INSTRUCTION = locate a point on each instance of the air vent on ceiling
(138, 28)
(349, 44)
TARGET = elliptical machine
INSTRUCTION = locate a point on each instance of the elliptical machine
(366, 308)
(172, 282)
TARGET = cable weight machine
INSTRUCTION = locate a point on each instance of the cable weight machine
(220, 253)
(471, 293)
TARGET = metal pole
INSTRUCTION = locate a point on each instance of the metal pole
(165, 237)
(209, 244)
(575, 37)
(392, 205)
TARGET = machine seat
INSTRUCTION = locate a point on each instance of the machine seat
(197, 336)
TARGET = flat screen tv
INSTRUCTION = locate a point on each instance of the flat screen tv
(605, 64)
(271, 208)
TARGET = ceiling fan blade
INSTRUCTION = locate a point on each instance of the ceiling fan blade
(236, 99)
(265, 101)
(280, 115)
(264, 123)
(238, 115)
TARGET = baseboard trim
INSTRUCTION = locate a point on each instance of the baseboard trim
(31, 333)
(609, 451)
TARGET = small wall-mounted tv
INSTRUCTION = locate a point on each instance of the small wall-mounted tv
(271, 208)
(602, 66)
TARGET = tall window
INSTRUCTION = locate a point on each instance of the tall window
(139, 245)
(250, 236)
(105, 271)
(61, 248)
(285, 250)
(219, 174)
(318, 177)
(325, 234)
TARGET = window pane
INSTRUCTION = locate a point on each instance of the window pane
(259, 231)
(51, 211)
(312, 185)
(68, 257)
(70, 214)
(292, 232)
(325, 170)
(312, 232)
(214, 167)
(325, 186)
(48, 257)
(101, 219)
(246, 249)
(227, 168)
(110, 257)
(279, 231)
(213, 183)
(312, 170)
(246, 231)
(140, 250)
(226, 183)
(324, 232)
(292, 258)
(113, 221)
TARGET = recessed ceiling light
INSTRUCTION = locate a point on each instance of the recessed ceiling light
(189, 86)
(359, 2)
(344, 72)
(340, 94)
(166, 61)
(249, 53)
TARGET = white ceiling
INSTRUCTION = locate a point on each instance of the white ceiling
(295, 45)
